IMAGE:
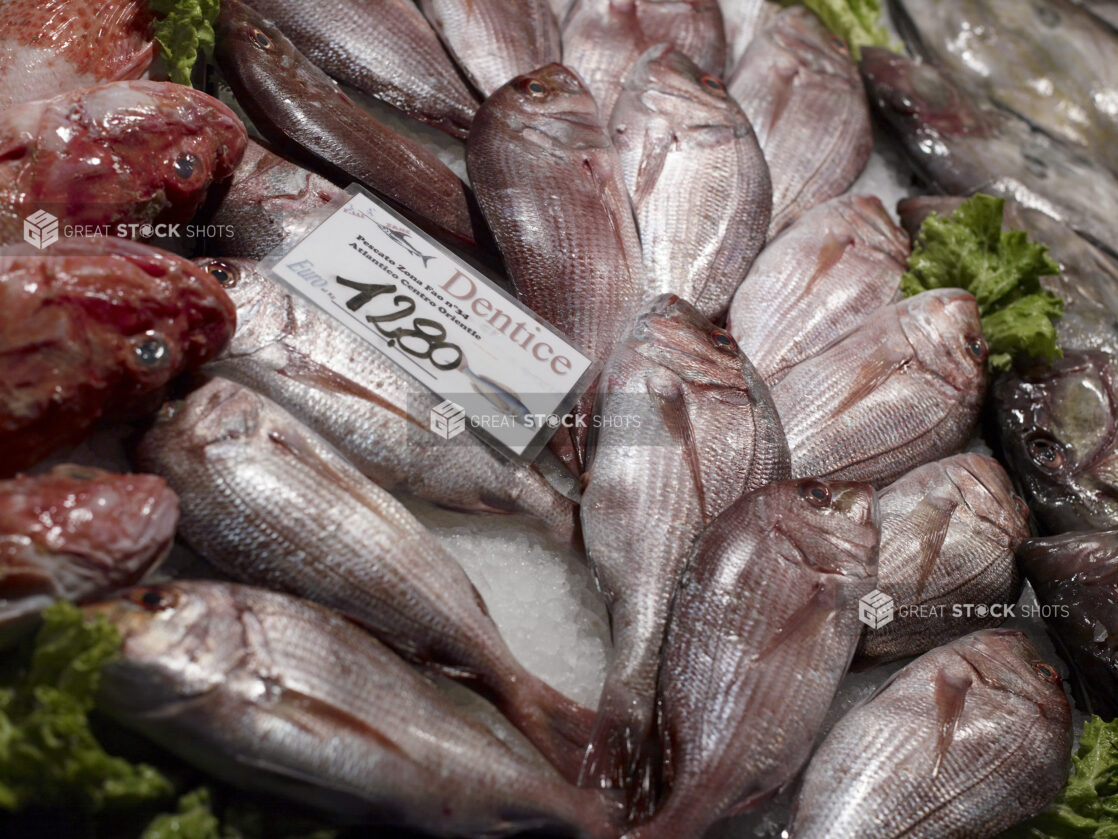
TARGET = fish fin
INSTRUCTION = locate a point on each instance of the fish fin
(655, 153)
(951, 697)
(870, 376)
(622, 754)
(309, 712)
(305, 370)
(932, 517)
(750, 802)
(805, 620)
(829, 255)
(673, 404)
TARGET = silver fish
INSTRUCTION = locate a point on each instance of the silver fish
(948, 533)
(801, 92)
(762, 630)
(830, 270)
(274, 693)
(966, 741)
(687, 428)
(602, 39)
(550, 184)
(742, 20)
(699, 182)
(495, 40)
(692, 27)
(903, 388)
(268, 501)
(368, 408)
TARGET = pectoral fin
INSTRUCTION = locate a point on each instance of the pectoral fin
(951, 696)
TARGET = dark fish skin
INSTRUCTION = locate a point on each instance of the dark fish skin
(699, 182)
(496, 40)
(1049, 62)
(1088, 278)
(762, 631)
(700, 429)
(368, 408)
(800, 89)
(960, 148)
(948, 533)
(965, 741)
(273, 693)
(303, 111)
(97, 326)
(383, 48)
(268, 501)
(50, 47)
(1058, 435)
(77, 533)
(268, 199)
(827, 272)
(118, 153)
(901, 389)
(551, 186)
(1076, 576)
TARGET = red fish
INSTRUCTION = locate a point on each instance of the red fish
(124, 152)
(51, 46)
(95, 324)
(77, 533)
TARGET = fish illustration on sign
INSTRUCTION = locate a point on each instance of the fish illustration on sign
(400, 237)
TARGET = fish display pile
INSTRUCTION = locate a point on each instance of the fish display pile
(802, 490)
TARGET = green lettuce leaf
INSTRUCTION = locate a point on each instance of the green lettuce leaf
(1002, 269)
(184, 28)
(48, 754)
(1087, 806)
(858, 22)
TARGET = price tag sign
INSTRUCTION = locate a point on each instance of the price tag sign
(501, 372)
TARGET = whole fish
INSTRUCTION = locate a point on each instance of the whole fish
(698, 180)
(692, 27)
(742, 20)
(1075, 577)
(268, 200)
(51, 47)
(273, 693)
(99, 325)
(1058, 434)
(120, 153)
(699, 430)
(385, 49)
(367, 407)
(948, 533)
(551, 186)
(303, 111)
(1088, 278)
(762, 631)
(824, 275)
(1048, 62)
(800, 89)
(966, 741)
(77, 533)
(495, 40)
(902, 389)
(602, 39)
(961, 149)
(268, 501)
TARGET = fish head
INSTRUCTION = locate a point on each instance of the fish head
(550, 106)
(240, 31)
(1059, 435)
(672, 333)
(799, 34)
(213, 421)
(666, 81)
(944, 330)
(1005, 661)
(916, 98)
(985, 487)
(262, 305)
(178, 640)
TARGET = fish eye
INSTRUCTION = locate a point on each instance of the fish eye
(839, 44)
(152, 598)
(223, 273)
(185, 165)
(1021, 506)
(1046, 452)
(713, 84)
(535, 87)
(722, 338)
(816, 493)
(976, 346)
(1047, 672)
(261, 40)
(152, 352)
(1048, 16)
